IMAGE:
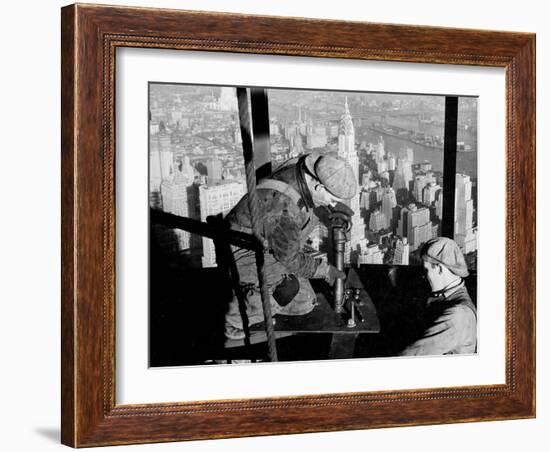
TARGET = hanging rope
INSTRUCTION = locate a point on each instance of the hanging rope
(253, 207)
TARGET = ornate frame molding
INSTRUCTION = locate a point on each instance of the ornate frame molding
(90, 36)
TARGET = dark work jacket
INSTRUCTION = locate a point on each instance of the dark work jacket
(451, 326)
(285, 224)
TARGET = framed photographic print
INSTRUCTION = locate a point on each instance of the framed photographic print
(281, 225)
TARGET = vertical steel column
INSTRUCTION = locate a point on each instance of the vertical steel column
(260, 132)
(248, 153)
(449, 167)
(339, 240)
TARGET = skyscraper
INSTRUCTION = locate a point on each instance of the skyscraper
(346, 141)
(419, 184)
(155, 174)
(274, 129)
(389, 202)
(401, 252)
(415, 225)
(178, 196)
(166, 156)
(465, 236)
(296, 147)
(218, 197)
(380, 150)
(214, 169)
(429, 195)
(439, 204)
(403, 177)
(364, 200)
(377, 221)
(410, 155)
(347, 151)
(391, 162)
(379, 155)
(372, 254)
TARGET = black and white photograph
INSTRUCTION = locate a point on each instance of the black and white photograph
(297, 225)
(275, 226)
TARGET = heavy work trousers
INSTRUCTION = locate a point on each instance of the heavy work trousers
(302, 303)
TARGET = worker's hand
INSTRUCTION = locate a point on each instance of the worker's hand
(328, 272)
(340, 212)
(332, 274)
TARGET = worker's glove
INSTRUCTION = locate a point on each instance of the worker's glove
(329, 273)
(332, 274)
(340, 214)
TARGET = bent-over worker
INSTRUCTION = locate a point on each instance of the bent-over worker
(287, 200)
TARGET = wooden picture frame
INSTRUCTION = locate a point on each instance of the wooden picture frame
(90, 36)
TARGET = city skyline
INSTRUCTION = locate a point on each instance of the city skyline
(195, 148)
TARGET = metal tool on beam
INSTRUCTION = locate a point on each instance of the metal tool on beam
(348, 293)
(339, 229)
(355, 299)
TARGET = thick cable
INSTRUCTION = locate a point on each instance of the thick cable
(253, 206)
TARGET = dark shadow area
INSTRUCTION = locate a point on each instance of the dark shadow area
(187, 307)
(186, 310)
(399, 294)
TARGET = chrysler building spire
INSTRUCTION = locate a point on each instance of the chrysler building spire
(346, 124)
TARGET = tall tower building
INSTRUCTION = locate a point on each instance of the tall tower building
(380, 153)
(274, 129)
(429, 195)
(415, 225)
(346, 141)
(155, 175)
(178, 197)
(401, 252)
(377, 221)
(403, 175)
(166, 156)
(309, 126)
(347, 151)
(215, 198)
(391, 162)
(296, 146)
(364, 200)
(365, 179)
(410, 155)
(420, 182)
(389, 202)
(291, 130)
(439, 204)
(465, 236)
(214, 169)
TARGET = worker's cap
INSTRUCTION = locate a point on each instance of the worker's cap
(334, 173)
(444, 251)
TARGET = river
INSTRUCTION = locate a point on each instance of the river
(466, 161)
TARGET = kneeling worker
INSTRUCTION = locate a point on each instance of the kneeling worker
(289, 203)
(451, 315)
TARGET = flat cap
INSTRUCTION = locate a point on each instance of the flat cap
(334, 173)
(444, 251)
